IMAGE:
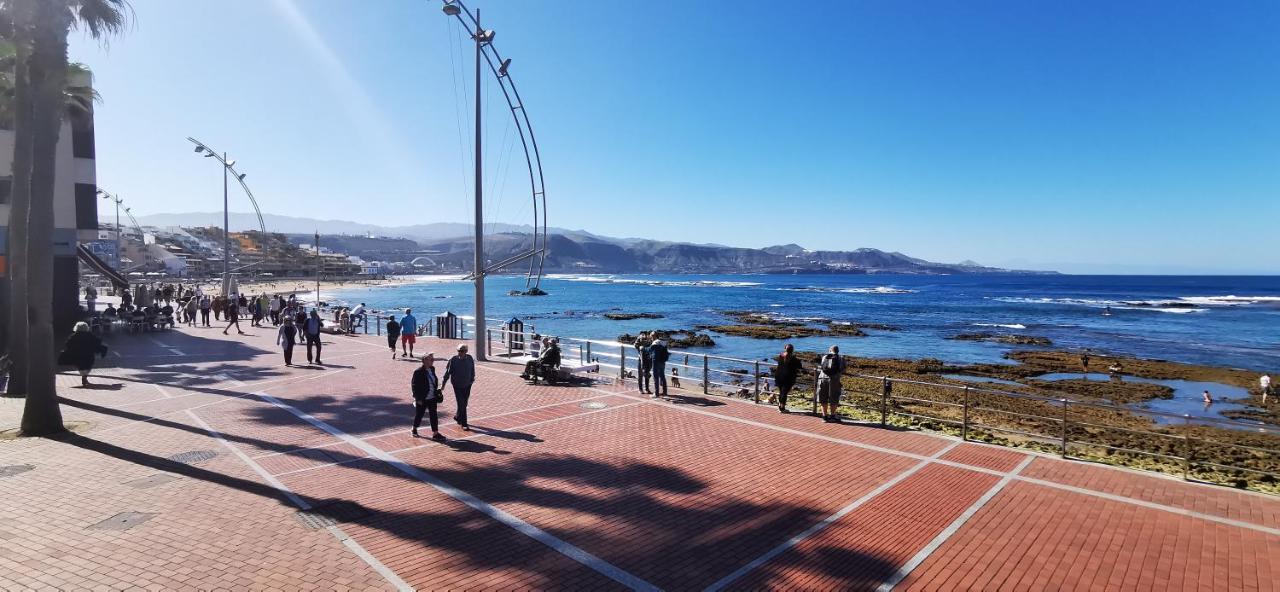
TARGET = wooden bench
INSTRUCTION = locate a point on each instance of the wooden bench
(567, 369)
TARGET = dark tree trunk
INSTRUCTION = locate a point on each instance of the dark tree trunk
(47, 69)
(19, 204)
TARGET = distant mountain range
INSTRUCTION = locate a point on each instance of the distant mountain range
(449, 244)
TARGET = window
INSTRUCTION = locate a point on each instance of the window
(6, 189)
(82, 143)
(86, 206)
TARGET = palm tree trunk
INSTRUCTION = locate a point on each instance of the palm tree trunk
(19, 204)
(47, 69)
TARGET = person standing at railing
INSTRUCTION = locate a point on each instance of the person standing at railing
(785, 375)
(644, 353)
(357, 316)
(462, 369)
(660, 356)
(408, 333)
(832, 369)
(393, 334)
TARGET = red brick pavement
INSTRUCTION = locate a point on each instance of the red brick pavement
(564, 488)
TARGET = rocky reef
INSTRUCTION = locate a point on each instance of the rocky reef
(1003, 338)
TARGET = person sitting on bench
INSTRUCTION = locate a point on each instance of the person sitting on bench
(531, 366)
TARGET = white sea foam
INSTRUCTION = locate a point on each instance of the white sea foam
(1010, 326)
(610, 279)
(875, 290)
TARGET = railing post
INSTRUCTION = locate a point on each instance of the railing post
(588, 360)
(706, 375)
(815, 391)
(1065, 404)
(488, 342)
(1186, 447)
(885, 391)
(964, 423)
(622, 362)
(757, 383)
(378, 321)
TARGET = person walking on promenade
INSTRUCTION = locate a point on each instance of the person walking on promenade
(311, 331)
(233, 316)
(80, 349)
(785, 375)
(217, 305)
(1265, 383)
(462, 369)
(644, 353)
(190, 311)
(287, 337)
(829, 385)
(408, 333)
(426, 395)
(393, 334)
(91, 298)
(242, 305)
(126, 299)
(205, 304)
(658, 351)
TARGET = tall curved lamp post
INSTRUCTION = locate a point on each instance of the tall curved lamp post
(228, 167)
(486, 53)
(114, 198)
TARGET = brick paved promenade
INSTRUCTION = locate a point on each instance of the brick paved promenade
(190, 470)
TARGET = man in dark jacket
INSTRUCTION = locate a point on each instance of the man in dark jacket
(462, 369)
(80, 350)
(644, 352)
(311, 332)
(785, 375)
(426, 394)
(393, 335)
(660, 354)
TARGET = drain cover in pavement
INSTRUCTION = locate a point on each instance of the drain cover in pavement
(123, 521)
(193, 456)
(11, 470)
(330, 514)
(152, 481)
(593, 405)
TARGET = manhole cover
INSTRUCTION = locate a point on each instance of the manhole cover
(11, 470)
(152, 481)
(193, 456)
(123, 521)
(593, 405)
(327, 515)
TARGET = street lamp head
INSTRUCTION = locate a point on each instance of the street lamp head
(502, 70)
(484, 36)
(231, 163)
(199, 148)
(451, 9)
(241, 176)
(209, 155)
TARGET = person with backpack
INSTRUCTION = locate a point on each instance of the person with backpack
(832, 368)
(205, 305)
(658, 350)
(393, 334)
(644, 353)
(311, 331)
(462, 369)
(785, 375)
(287, 337)
(426, 395)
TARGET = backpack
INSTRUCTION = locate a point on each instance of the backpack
(660, 354)
(831, 365)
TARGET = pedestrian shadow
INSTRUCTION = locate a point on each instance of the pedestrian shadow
(693, 401)
(99, 387)
(507, 434)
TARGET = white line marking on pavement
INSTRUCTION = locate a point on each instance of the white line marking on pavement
(163, 393)
(564, 548)
(828, 521)
(337, 532)
(951, 529)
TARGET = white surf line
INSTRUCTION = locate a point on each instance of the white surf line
(724, 582)
(395, 431)
(951, 529)
(601, 566)
(471, 437)
(334, 530)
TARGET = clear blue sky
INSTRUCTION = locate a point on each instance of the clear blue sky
(1086, 136)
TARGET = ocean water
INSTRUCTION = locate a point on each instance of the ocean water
(1225, 321)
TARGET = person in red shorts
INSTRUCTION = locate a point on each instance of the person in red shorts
(408, 333)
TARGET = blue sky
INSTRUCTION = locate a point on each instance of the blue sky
(1084, 136)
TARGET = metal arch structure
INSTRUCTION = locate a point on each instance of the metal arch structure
(239, 177)
(533, 161)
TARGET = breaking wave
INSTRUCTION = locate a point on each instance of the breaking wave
(875, 290)
(609, 279)
(1009, 326)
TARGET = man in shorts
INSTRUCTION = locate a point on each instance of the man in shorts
(408, 333)
(832, 369)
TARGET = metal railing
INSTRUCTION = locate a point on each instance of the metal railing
(1197, 448)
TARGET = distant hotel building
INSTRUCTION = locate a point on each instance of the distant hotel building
(75, 215)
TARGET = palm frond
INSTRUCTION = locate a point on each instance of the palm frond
(101, 17)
